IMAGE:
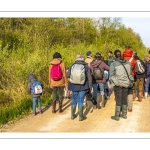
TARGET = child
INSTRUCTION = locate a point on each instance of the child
(35, 88)
(67, 93)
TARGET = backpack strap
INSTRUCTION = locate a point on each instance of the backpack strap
(130, 59)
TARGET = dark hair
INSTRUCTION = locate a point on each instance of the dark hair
(57, 55)
(116, 53)
(149, 51)
(97, 56)
(110, 52)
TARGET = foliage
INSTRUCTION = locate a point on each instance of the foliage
(28, 44)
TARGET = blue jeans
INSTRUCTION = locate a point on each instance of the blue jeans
(95, 86)
(35, 100)
(78, 98)
(147, 85)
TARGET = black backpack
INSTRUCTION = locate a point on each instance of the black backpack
(139, 67)
(97, 73)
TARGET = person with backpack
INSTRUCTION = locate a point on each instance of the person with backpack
(140, 75)
(35, 88)
(57, 80)
(128, 55)
(97, 67)
(121, 79)
(80, 82)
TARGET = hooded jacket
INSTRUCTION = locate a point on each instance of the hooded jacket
(31, 79)
(127, 54)
(63, 81)
(103, 66)
(118, 75)
(88, 60)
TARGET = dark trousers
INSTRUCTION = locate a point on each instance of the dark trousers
(57, 90)
(121, 94)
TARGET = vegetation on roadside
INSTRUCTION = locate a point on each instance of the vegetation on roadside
(27, 46)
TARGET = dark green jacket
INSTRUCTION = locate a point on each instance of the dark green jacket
(110, 59)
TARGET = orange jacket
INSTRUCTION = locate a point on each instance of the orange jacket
(64, 80)
(127, 54)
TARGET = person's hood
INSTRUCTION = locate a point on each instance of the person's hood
(121, 61)
(127, 53)
(55, 61)
(31, 78)
(96, 63)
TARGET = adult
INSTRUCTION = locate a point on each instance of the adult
(79, 88)
(120, 72)
(128, 55)
(139, 79)
(101, 65)
(57, 85)
(89, 58)
(110, 58)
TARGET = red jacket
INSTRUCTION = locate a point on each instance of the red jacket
(127, 54)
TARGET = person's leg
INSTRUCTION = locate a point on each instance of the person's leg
(124, 102)
(146, 87)
(54, 96)
(74, 104)
(135, 93)
(34, 99)
(80, 105)
(61, 89)
(118, 96)
(39, 104)
(141, 87)
(101, 85)
(130, 99)
(94, 101)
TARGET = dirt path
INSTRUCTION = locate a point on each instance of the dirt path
(97, 121)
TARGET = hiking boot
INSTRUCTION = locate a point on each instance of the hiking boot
(53, 106)
(40, 111)
(60, 106)
(117, 113)
(34, 113)
(73, 110)
(124, 111)
(80, 110)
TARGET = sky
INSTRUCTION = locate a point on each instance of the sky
(140, 26)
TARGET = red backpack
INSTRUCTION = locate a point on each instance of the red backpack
(56, 72)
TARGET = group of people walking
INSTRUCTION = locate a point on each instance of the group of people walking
(124, 73)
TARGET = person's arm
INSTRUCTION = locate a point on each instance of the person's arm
(29, 88)
(89, 77)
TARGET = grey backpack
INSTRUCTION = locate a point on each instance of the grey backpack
(77, 75)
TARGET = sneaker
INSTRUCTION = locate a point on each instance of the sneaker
(40, 111)
(34, 113)
(129, 110)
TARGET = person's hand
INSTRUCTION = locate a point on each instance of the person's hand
(120, 85)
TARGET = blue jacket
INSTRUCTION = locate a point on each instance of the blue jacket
(88, 83)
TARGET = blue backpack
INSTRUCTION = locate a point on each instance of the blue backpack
(37, 87)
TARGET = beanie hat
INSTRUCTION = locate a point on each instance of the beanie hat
(88, 53)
